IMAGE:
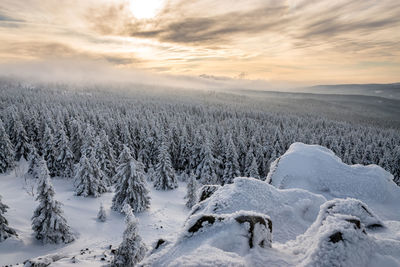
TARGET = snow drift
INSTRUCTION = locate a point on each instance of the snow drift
(317, 169)
(321, 212)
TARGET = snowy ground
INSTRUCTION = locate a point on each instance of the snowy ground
(165, 217)
(322, 213)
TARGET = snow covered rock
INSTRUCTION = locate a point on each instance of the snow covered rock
(213, 240)
(318, 170)
(340, 237)
(292, 210)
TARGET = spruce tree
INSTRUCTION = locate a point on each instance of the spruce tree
(22, 142)
(231, 164)
(251, 169)
(34, 159)
(191, 192)
(206, 170)
(131, 186)
(48, 149)
(164, 175)
(5, 230)
(89, 178)
(48, 221)
(102, 215)
(106, 155)
(132, 249)
(64, 159)
(7, 153)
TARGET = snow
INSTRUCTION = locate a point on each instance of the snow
(164, 218)
(318, 170)
(322, 211)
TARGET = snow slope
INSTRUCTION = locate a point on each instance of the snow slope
(316, 169)
(165, 217)
(345, 232)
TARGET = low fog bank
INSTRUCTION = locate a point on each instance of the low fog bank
(99, 73)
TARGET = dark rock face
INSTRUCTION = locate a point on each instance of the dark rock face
(253, 220)
(336, 237)
(207, 190)
(199, 223)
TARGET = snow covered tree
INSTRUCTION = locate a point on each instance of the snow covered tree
(206, 170)
(34, 159)
(22, 142)
(64, 159)
(231, 168)
(7, 154)
(132, 249)
(76, 140)
(191, 192)
(102, 215)
(5, 230)
(131, 186)
(48, 221)
(89, 178)
(48, 149)
(105, 155)
(164, 175)
(251, 169)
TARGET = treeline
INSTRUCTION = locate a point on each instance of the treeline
(186, 135)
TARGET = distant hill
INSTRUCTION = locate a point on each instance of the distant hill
(391, 90)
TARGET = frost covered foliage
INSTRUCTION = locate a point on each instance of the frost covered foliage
(34, 160)
(89, 178)
(131, 187)
(5, 230)
(132, 249)
(191, 192)
(213, 135)
(7, 153)
(102, 215)
(48, 220)
(164, 175)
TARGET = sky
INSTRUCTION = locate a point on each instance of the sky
(287, 41)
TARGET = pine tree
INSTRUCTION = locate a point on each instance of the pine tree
(164, 175)
(76, 140)
(89, 178)
(22, 142)
(251, 169)
(206, 170)
(102, 215)
(48, 221)
(132, 249)
(105, 155)
(48, 149)
(191, 192)
(131, 186)
(231, 165)
(7, 154)
(34, 159)
(5, 230)
(64, 159)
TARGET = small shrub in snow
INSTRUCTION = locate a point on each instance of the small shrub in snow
(132, 249)
(102, 215)
(48, 220)
(5, 230)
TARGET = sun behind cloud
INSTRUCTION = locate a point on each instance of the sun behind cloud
(145, 9)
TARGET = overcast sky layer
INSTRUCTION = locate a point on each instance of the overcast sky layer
(292, 41)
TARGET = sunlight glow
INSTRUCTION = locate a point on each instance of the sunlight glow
(145, 9)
